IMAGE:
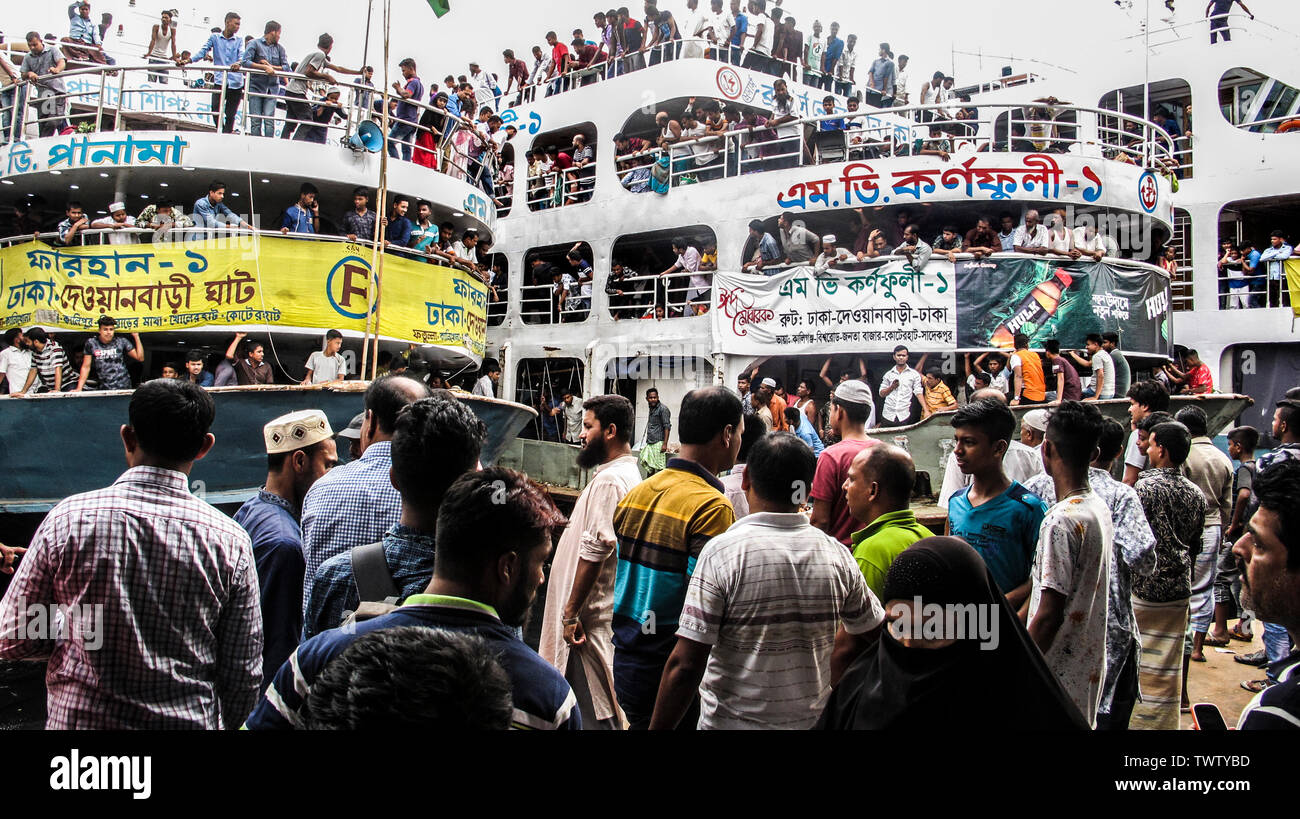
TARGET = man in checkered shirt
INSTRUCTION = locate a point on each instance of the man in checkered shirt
(356, 503)
(142, 598)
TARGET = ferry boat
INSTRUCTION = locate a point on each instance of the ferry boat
(1087, 142)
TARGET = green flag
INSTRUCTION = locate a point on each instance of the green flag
(440, 7)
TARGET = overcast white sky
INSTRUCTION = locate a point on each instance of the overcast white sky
(927, 30)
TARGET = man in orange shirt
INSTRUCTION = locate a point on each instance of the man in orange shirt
(1030, 387)
(767, 394)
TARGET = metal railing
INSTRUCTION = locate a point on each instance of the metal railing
(113, 98)
(90, 237)
(900, 132)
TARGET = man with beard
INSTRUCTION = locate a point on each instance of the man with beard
(435, 441)
(1271, 559)
(578, 632)
(494, 536)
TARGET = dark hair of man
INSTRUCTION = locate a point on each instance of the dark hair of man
(230, 15)
(988, 415)
(1020, 341)
(1111, 441)
(361, 192)
(792, 417)
(1151, 394)
(615, 410)
(934, 372)
(1194, 419)
(11, 335)
(270, 26)
(412, 677)
(1246, 437)
(651, 390)
(216, 185)
(401, 197)
(490, 366)
(1074, 429)
(37, 334)
(755, 428)
(1095, 338)
(1289, 415)
(407, 62)
(194, 355)
(855, 412)
(705, 413)
(1052, 346)
(984, 378)
(306, 188)
(386, 396)
(1277, 488)
(171, 418)
(436, 440)
(1154, 419)
(330, 335)
(1113, 338)
(1174, 439)
(486, 514)
(779, 464)
(900, 349)
(275, 461)
(1277, 234)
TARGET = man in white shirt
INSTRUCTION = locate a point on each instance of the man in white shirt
(762, 31)
(830, 256)
(1088, 242)
(717, 29)
(1031, 237)
(897, 388)
(486, 385)
(327, 366)
(846, 67)
(1060, 241)
(692, 30)
(117, 221)
(15, 361)
(769, 602)
(1103, 369)
(1071, 574)
(900, 82)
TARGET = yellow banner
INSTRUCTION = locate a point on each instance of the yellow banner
(238, 282)
(1292, 268)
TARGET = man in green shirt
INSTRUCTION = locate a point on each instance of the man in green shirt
(878, 488)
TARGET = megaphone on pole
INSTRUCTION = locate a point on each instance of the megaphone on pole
(369, 137)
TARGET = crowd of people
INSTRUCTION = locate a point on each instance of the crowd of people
(394, 589)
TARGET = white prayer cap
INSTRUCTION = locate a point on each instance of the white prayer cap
(1036, 420)
(829, 238)
(296, 430)
(116, 206)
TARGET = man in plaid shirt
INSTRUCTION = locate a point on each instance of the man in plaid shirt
(141, 597)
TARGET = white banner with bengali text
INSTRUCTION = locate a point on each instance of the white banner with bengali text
(796, 312)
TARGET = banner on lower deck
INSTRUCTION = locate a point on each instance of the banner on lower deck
(798, 311)
(241, 282)
(1064, 300)
(968, 305)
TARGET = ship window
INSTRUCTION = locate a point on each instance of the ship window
(1169, 105)
(557, 286)
(635, 288)
(1255, 102)
(1253, 221)
(563, 167)
(541, 383)
(498, 287)
(1181, 242)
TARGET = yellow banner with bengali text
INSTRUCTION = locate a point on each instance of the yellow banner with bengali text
(1292, 268)
(240, 281)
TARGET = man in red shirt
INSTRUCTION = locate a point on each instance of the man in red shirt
(1199, 379)
(851, 405)
(559, 63)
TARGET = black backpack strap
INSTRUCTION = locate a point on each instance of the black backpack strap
(370, 573)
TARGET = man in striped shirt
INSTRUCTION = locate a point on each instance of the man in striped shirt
(49, 362)
(764, 604)
(495, 529)
(661, 526)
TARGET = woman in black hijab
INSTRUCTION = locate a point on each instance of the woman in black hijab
(911, 682)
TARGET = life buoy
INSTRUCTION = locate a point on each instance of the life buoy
(1289, 125)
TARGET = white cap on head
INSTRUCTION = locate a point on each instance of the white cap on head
(332, 90)
(829, 238)
(768, 382)
(296, 430)
(853, 391)
(1036, 420)
(116, 206)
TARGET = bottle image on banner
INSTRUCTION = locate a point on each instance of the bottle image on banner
(1040, 305)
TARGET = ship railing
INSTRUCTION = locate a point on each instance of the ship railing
(91, 237)
(1237, 24)
(687, 48)
(557, 188)
(1032, 127)
(124, 97)
(1268, 125)
(1245, 292)
(645, 295)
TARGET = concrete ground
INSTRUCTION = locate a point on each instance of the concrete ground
(1218, 679)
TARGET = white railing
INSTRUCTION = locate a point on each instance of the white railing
(123, 97)
(900, 132)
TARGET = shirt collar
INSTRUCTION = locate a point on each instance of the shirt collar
(411, 537)
(379, 450)
(275, 500)
(902, 517)
(447, 601)
(778, 520)
(695, 469)
(166, 478)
